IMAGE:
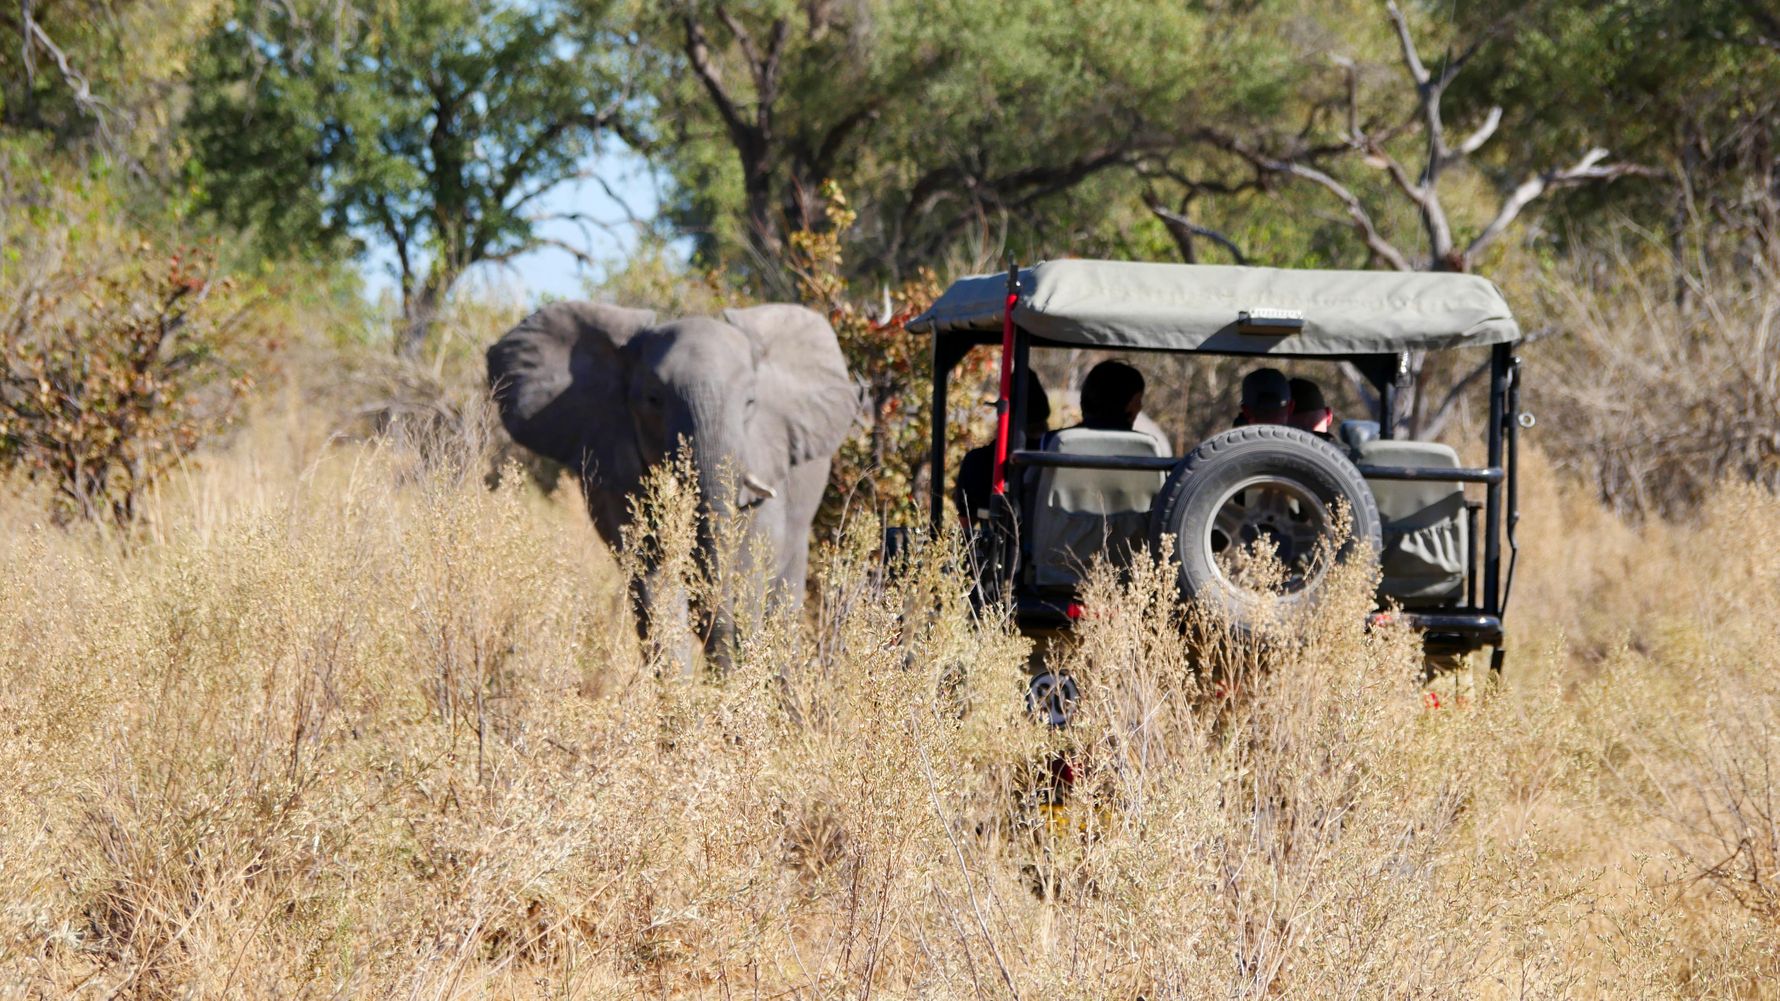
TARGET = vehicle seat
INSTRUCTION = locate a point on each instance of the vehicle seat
(1426, 537)
(1079, 513)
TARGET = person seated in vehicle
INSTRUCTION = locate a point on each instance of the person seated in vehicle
(1112, 397)
(1266, 398)
(976, 471)
(1112, 400)
(1310, 411)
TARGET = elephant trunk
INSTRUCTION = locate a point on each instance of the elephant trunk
(727, 480)
(728, 486)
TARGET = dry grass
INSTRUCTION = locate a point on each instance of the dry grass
(345, 722)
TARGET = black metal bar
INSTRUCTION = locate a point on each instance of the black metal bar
(1075, 460)
(1387, 410)
(1043, 613)
(1433, 474)
(1471, 567)
(1469, 623)
(1512, 421)
(936, 469)
(1492, 512)
(1022, 365)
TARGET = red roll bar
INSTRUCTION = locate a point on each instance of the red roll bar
(1004, 405)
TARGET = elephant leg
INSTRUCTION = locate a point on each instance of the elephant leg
(664, 623)
(720, 642)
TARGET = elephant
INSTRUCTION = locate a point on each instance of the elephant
(761, 394)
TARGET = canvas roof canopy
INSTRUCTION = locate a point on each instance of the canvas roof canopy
(1224, 309)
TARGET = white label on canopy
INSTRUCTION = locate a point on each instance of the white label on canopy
(1268, 321)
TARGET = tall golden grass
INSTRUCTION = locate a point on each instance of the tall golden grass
(343, 721)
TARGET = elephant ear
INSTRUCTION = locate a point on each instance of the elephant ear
(559, 381)
(804, 386)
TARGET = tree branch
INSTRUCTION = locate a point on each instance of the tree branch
(698, 52)
(545, 242)
(1176, 221)
(1585, 170)
(82, 91)
(1411, 59)
(1361, 220)
(1476, 139)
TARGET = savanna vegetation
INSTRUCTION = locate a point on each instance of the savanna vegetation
(311, 685)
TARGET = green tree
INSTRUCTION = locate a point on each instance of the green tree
(957, 128)
(1688, 87)
(99, 77)
(434, 126)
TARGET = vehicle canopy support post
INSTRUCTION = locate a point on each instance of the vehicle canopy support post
(1387, 395)
(936, 465)
(1500, 366)
(1021, 404)
(1381, 373)
(1511, 425)
(1003, 403)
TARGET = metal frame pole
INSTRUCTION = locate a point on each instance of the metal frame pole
(1492, 513)
(936, 472)
(1002, 405)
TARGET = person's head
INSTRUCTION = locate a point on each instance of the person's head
(1038, 407)
(1310, 412)
(1266, 397)
(1112, 395)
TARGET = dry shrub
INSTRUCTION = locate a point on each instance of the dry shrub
(348, 723)
(884, 466)
(110, 375)
(1664, 380)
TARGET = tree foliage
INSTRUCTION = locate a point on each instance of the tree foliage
(431, 126)
(957, 128)
(1689, 88)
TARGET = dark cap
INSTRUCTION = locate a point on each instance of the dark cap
(1266, 389)
(1307, 396)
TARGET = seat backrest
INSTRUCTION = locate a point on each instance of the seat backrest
(1426, 535)
(1076, 514)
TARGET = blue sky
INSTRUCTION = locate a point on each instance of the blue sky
(550, 272)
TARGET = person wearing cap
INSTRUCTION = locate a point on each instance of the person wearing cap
(976, 471)
(1266, 398)
(1310, 412)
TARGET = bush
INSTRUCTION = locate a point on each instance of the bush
(108, 378)
(884, 467)
(1662, 381)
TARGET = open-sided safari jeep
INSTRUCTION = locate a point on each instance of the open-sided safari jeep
(1077, 493)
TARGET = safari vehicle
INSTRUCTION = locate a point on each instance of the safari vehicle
(1082, 492)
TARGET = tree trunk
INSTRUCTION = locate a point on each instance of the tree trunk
(419, 310)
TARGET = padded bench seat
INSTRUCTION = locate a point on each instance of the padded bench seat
(1077, 514)
(1426, 534)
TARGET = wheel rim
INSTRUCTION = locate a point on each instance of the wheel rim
(1262, 515)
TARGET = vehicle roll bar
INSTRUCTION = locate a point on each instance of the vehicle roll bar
(1073, 460)
(1076, 460)
(1432, 474)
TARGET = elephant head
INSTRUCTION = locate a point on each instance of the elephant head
(761, 395)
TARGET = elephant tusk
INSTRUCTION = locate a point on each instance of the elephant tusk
(754, 483)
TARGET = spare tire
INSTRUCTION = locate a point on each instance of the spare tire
(1250, 489)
